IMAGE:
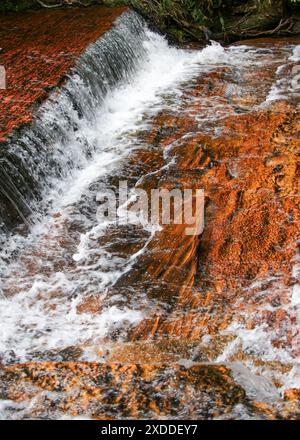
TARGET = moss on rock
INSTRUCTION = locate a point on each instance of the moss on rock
(16, 5)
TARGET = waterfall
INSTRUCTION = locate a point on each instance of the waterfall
(81, 135)
(30, 159)
(57, 297)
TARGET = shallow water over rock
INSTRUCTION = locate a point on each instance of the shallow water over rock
(145, 321)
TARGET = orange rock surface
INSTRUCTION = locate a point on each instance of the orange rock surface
(250, 176)
(111, 390)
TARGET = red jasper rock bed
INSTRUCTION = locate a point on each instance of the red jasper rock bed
(181, 359)
(111, 391)
(38, 48)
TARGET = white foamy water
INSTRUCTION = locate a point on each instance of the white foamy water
(49, 273)
(287, 84)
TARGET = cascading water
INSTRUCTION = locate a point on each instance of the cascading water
(51, 173)
(54, 145)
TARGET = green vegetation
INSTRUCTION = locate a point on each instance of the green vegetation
(199, 20)
(227, 20)
(16, 5)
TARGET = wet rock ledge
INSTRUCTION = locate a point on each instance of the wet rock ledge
(37, 49)
(113, 391)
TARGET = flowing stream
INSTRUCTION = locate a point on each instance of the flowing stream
(51, 261)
